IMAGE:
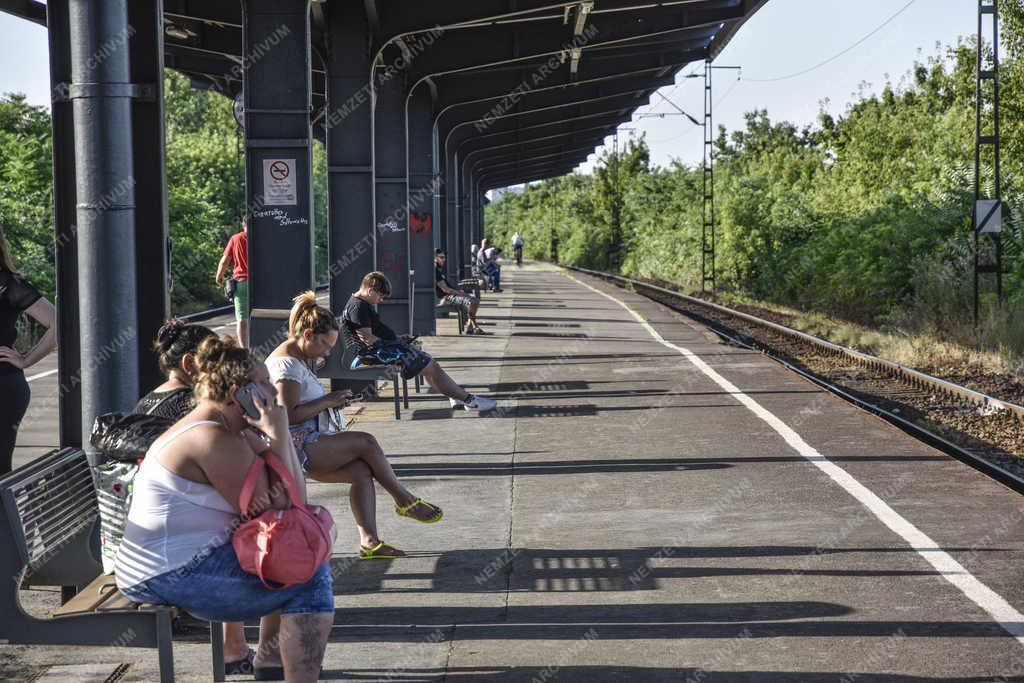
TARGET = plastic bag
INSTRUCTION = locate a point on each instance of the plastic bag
(126, 438)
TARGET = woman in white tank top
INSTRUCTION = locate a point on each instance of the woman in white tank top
(349, 457)
(176, 548)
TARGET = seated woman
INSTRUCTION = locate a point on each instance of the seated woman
(175, 346)
(176, 548)
(349, 457)
(367, 337)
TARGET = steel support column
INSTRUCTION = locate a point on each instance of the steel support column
(101, 92)
(151, 246)
(349, 170)
(423, 239)
(390, 190)
(69, 361)
(278, 161)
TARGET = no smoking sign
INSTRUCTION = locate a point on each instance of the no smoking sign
(279, 188)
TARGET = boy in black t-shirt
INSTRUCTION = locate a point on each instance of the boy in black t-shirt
(374, 343)
(449, 296)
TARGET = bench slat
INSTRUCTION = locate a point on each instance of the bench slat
(90, 598)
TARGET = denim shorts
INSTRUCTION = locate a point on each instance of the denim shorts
(302, 434)
(217, 589)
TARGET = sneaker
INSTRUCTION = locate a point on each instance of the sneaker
(456, 403)
(481, 403)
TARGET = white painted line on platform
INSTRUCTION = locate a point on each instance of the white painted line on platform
(41, 375)
(984, 597)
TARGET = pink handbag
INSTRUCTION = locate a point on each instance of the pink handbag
(285, 546)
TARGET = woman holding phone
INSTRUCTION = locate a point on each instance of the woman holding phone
(328, 454)
(177, 542)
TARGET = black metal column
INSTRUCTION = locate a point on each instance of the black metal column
(278, 161)
(147, 67)
(65, 231)
(101, 93)
(349, 170)
(390, 187)
(423, 237)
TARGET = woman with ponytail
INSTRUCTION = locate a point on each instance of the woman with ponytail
(340, 457)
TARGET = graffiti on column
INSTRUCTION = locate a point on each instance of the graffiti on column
(420, 223)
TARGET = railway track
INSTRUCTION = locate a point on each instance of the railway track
(981, 430)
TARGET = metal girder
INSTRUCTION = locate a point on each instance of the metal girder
(25, 9)
(554, 106)
(480, 168)
(497, 46)
(515, 178)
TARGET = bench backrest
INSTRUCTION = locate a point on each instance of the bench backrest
(50, 509)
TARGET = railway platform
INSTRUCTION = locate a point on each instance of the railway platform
(651, 504)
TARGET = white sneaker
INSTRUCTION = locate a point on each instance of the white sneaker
(481, 403)
(456, 403)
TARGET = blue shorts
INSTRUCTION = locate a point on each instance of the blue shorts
(217, 589)
(302, 434)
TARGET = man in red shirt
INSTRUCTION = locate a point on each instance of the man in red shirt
(237, 253)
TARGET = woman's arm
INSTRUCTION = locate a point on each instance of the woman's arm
(226, 464)
(300, 412)
(42, 310)
(273, 422)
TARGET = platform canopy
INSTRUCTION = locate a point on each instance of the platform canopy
(551, 79)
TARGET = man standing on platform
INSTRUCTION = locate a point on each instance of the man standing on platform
(236, 253)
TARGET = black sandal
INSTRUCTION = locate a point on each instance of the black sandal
(241, 667)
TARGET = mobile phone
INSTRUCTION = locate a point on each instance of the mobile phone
(245, 399)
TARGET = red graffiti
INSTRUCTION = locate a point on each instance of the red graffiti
(390, 263)
(420, 223)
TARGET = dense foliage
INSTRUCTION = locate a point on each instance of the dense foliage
(865, 215)
(205, 189)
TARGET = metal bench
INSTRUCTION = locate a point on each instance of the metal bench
(47, 538)
(341, 369)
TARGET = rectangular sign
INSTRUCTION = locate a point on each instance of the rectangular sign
(988, 215)
(279, 187)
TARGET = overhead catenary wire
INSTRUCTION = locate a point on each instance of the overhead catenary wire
(838, 54)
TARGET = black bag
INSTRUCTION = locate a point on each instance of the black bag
(230, 285)
(126, 438)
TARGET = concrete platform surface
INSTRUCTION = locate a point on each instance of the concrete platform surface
(650, 504)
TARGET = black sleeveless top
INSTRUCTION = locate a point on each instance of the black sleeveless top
(173, 404)
(16, 294)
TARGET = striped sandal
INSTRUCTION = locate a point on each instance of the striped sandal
(436, 512)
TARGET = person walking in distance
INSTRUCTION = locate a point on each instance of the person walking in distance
(17, 296)
(236, 254)
(517, 247)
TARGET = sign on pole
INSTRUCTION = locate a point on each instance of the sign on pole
(279, 187)
(988, 215)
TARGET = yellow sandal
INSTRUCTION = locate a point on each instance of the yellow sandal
(403, 511)
(381, 551)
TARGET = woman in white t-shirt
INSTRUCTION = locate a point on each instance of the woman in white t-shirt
(328, 454)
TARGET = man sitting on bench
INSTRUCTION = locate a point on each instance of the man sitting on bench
(449, 296)
(374, 343)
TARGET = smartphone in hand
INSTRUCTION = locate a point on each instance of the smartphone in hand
(245, 398)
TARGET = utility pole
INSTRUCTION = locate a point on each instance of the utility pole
(987, 215)
(708, 238)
